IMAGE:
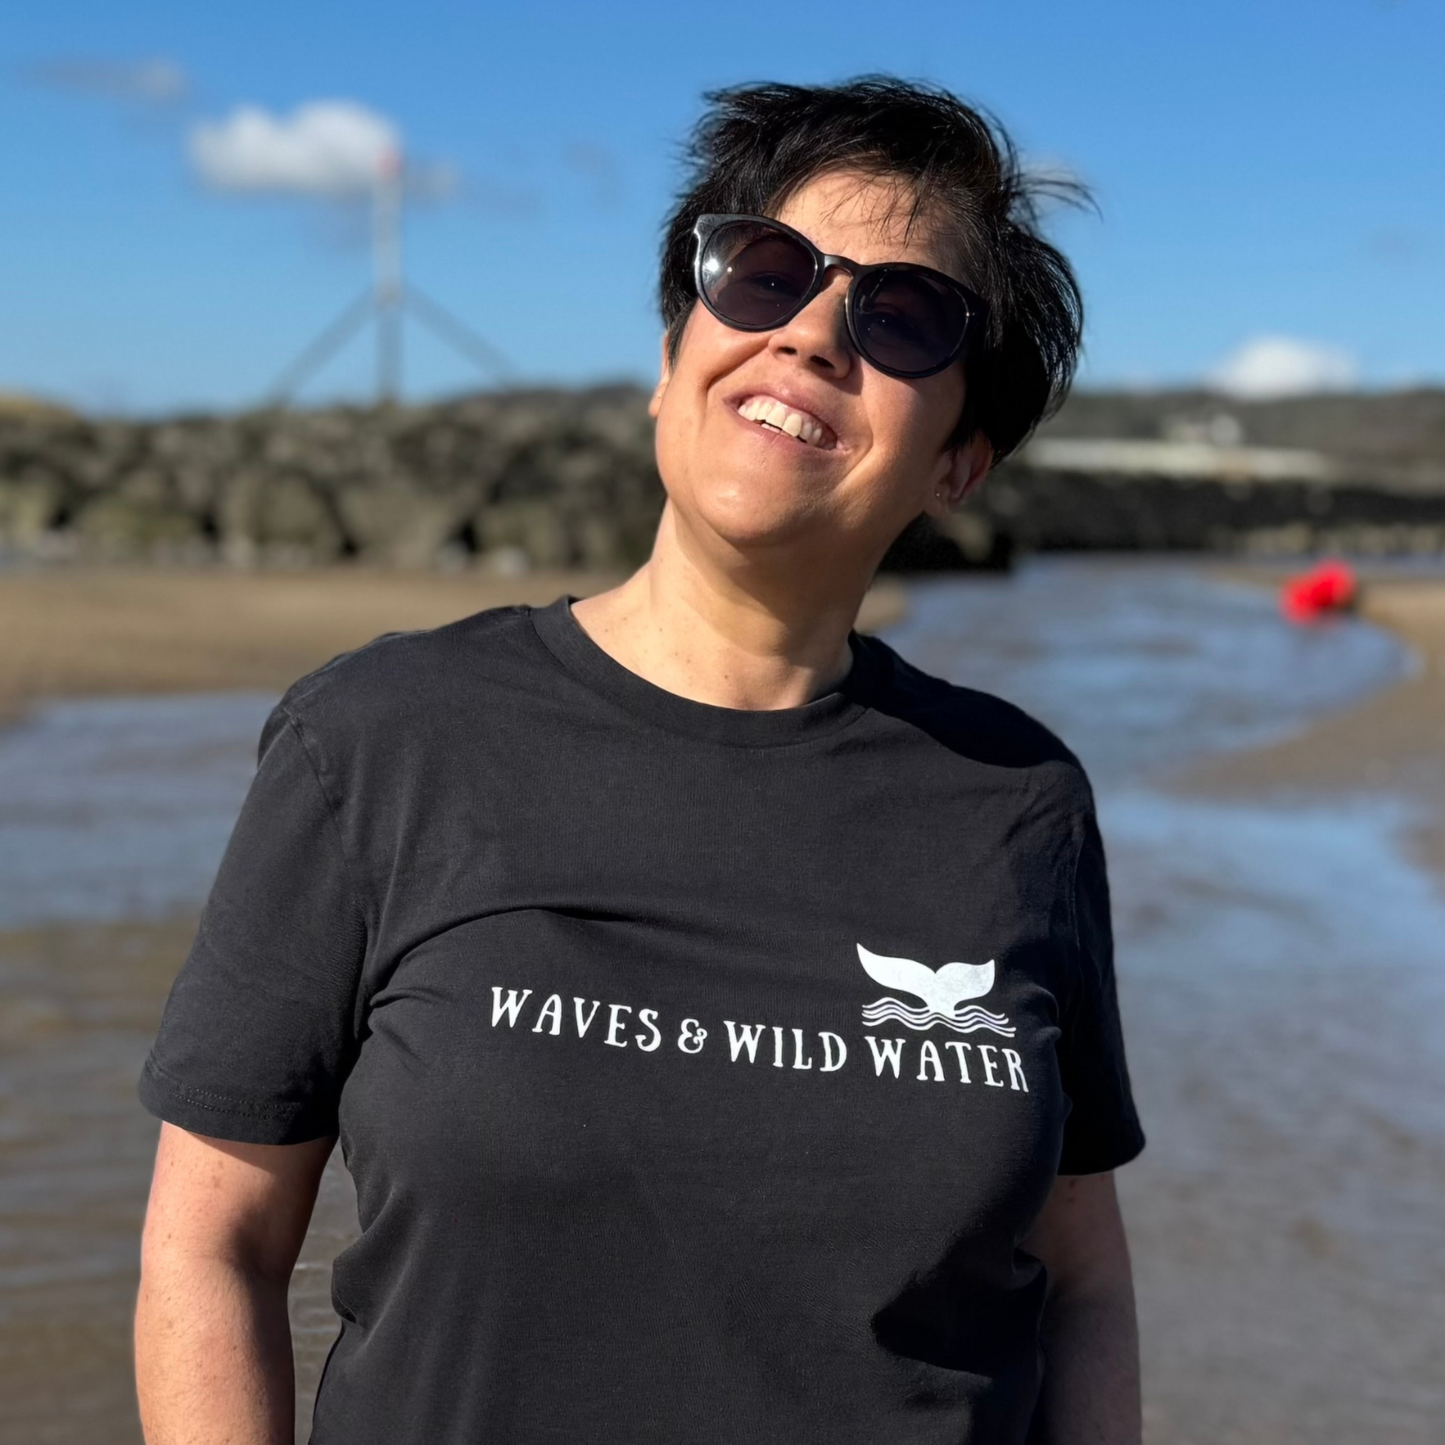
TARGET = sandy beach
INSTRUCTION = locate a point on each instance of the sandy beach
(1284, 1219)
(93, 631)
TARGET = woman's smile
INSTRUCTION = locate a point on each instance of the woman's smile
(767, 411)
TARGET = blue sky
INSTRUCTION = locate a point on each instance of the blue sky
(1263, 170)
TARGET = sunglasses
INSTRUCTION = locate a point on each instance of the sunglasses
(756, 274)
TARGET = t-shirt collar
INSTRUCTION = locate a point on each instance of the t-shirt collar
(569, 643)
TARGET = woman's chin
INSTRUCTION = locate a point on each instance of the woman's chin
(784, 518)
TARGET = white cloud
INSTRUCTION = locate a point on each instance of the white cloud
(324, 148)
(1268, 366)
(152, 82)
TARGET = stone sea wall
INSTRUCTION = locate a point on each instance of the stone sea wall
(567, 478)
(548, 479)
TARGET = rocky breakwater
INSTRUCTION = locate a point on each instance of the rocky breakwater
(545, 479)
(565, 478)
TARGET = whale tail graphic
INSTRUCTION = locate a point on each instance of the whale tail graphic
(943, 989)
(944, 992)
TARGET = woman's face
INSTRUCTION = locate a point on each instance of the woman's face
(881, 458)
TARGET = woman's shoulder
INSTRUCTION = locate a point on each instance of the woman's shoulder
(979, 726)
(411, 678)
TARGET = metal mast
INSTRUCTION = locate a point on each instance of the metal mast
(384, 301)
(386, 274)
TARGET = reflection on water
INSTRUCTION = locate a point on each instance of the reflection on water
(120, 807)
(1138, 664)
(1284, 998)
(1280, 974)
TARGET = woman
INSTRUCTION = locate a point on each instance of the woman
(717, 1013)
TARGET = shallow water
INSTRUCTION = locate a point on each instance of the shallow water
(119, 808)
(1283, 985)
(1139, 664)
(1280, 975)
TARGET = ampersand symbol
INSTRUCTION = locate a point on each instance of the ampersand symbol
(690, 1040)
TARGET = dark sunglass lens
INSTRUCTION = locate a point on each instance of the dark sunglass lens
(754, 276)
(907, 322)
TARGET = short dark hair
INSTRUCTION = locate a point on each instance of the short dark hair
(756, 145)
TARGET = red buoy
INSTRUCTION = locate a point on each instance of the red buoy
(1327, 588)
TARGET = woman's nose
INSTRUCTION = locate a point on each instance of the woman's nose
(818, 334)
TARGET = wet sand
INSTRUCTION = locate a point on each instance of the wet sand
(1285, 1219)
(1392, 743)
(79, 1007)
(88, 631)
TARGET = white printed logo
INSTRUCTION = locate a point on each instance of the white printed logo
(944, 992)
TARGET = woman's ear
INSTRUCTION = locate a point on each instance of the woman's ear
(967, 466)
(664, 376)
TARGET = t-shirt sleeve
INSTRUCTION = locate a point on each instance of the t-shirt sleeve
(1102, 1130)
(260, 1028)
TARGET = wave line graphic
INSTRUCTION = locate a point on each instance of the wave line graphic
(968, 1019)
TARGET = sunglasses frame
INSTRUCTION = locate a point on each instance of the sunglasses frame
(975, 307)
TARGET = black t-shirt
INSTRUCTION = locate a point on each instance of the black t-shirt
(700, 1070)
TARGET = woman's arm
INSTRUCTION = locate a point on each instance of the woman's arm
(212, 1339)
(1090, 1337)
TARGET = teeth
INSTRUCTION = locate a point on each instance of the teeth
(774, 414)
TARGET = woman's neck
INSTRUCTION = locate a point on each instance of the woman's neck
(750, 635)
